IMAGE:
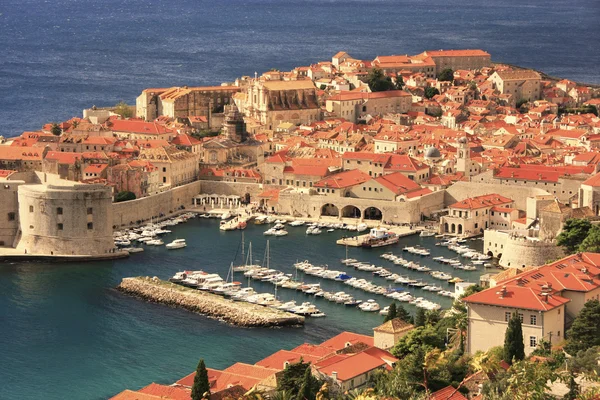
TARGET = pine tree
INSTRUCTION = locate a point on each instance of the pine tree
(420, 317)
(391, 313)
(585, 331)
(403, 314)
(305, 392)
(201, 384)
(514, 348)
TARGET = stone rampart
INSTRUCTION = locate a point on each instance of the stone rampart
(133, 212)
(463, 190)
(312, 206)
(212, 305)
(520, 251)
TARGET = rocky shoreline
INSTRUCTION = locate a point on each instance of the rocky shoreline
(236, 313)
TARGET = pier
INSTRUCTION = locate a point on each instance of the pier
(357, 241)
(212, 305)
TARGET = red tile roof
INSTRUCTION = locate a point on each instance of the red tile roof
(185, 140)
(253, 371)
(131, 395)
(343, 179)
(542, 173)
(278, 359)
(488, 200)
(138, 126)
(447, 393)
(21, 153)
(594, 181)
(352, 366)
(398, 183)
(167, 392)
(341, 341)
(352, 95)
(578, 272)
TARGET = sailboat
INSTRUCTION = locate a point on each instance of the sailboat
(347, 260)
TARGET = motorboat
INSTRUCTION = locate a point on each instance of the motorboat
(369, 306)
(288, 305)
(308, 310)
(426, 234)
(227, 215)
(155, 242)
(176, 244)
(296, 223)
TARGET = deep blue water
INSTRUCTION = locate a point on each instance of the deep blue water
(58, 57)
(66, 333)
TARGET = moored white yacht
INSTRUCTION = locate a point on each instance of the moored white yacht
(176, 244)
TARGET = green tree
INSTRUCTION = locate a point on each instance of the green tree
(573, 234)
(514, 348)
(432, 317)
(430, 92)
(446, 75)
(399, 82)
(294, 379)
(56, 131)
(427, 337)
(309, 387)
(591, 242)
(391, 313)
(585, 331)
(528, 380)
(420, 317)
(378, 81)
(403, 314)
(123, 110)
(586, 362)
(201, 385)
(124, 196)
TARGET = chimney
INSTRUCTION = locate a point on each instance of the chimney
(334, 375)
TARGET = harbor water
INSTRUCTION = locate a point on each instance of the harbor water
(67, 332)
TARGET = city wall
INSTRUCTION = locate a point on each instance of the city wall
(304, 205)
(462, 190)
(518, 251)
(135, 211)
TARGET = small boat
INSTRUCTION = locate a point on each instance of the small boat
(426, 234)
(385, 311)
(369, 306)
(227, 215)
(455, 280)
(176, 244)
(155, 242)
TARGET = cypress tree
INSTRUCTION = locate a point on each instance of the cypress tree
(391, 313)
(201, 384)
(420, 317)
(514, 348)
(585, 331)
(403, 314)
(305, 392)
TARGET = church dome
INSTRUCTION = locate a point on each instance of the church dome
(462, 140)
(432, 152)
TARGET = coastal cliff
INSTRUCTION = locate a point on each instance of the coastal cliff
(236, 313)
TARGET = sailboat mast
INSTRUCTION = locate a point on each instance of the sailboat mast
(232, 272)
(242, 245)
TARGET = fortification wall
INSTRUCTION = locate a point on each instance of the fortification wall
(305, 205)
(134, 211)
(9, 212)
(463, 190)
(520, 252)
(65, 220)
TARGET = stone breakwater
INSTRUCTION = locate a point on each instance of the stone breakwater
(215, 306)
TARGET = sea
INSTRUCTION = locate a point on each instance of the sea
(65, 332)
(58, 57)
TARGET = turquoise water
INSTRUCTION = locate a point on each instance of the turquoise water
(68, 334)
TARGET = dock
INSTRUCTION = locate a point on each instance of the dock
(209, 304)
(357, 241)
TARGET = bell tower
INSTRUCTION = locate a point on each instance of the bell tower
(463, 157)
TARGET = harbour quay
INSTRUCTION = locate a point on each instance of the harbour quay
(215, 306)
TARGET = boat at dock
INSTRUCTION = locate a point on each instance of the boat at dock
(379, 237)
(176, 244)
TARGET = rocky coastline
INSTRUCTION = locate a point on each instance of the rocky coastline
(236, 313)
